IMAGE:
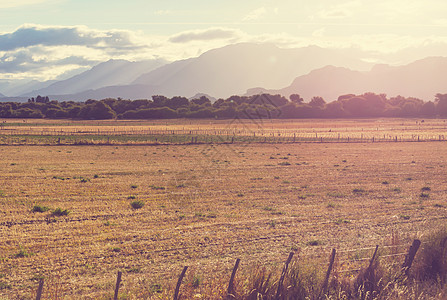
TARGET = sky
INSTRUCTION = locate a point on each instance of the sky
(49, 39)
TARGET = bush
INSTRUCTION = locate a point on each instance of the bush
(60, 212)
(431, 260)
(137, 204)
(23, 253)
(40, 208)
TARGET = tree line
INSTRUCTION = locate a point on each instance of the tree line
(266, 106)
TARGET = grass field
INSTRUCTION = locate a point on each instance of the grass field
(204, 206)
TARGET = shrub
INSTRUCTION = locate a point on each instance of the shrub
(137, 204)
(23, 253)
(431, 262)
(405, 217)
(154, 187)
(40, 208)
(314, 243)
(60, 212)
(424, 195)
(196, 281)
(358, 191)
(330, 205)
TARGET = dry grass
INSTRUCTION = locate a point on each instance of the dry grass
(205, 206)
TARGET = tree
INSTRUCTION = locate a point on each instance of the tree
(159, 100)
(296, 98)
(441, 104)
(96, 110)
(40, 99)
(428, 109)
(203, 100)
(317, 101)
(176, 102)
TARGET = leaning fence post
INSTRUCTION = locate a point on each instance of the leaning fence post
(328, 273)
(284, 271)
(39, 289)
(410, 256)
(179, 282)
(117, 286)
(373, 258)
(230, 290)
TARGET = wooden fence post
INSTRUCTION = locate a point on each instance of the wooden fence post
(230, 290)
(40, 289)
(117, 286)
(373, 258)
(410, 256)
(179, 282)
(328, 273)
(283, 275)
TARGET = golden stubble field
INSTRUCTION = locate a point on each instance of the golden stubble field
(205, 206)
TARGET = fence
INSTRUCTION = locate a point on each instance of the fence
(197, 136)
(405, 266)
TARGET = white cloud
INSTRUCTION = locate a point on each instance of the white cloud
(205, 35)
(339, 11)
(163, 12)
(19, 3)
(49, 51)
(31, 35)
(255, 15)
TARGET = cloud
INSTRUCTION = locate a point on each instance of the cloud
(26, 60)
(335, 14)
(19, 3)
(32, 35)
(46, 52)
(163, 12)
(255, 15)
(205, 35)
(340, 11)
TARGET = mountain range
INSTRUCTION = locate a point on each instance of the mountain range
(246, 69)
(421, 79)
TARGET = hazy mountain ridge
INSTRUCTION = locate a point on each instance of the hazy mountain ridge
(232, 69)
(19, 87)
(110, 73)
(421, 79)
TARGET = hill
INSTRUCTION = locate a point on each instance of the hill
(110, 73)
(232, 69)
(421, 79)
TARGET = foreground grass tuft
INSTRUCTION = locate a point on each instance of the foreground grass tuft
(137, 204)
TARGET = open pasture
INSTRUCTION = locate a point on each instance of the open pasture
(204, 206)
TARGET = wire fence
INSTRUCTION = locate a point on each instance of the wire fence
(68, 135)
(341, 263)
